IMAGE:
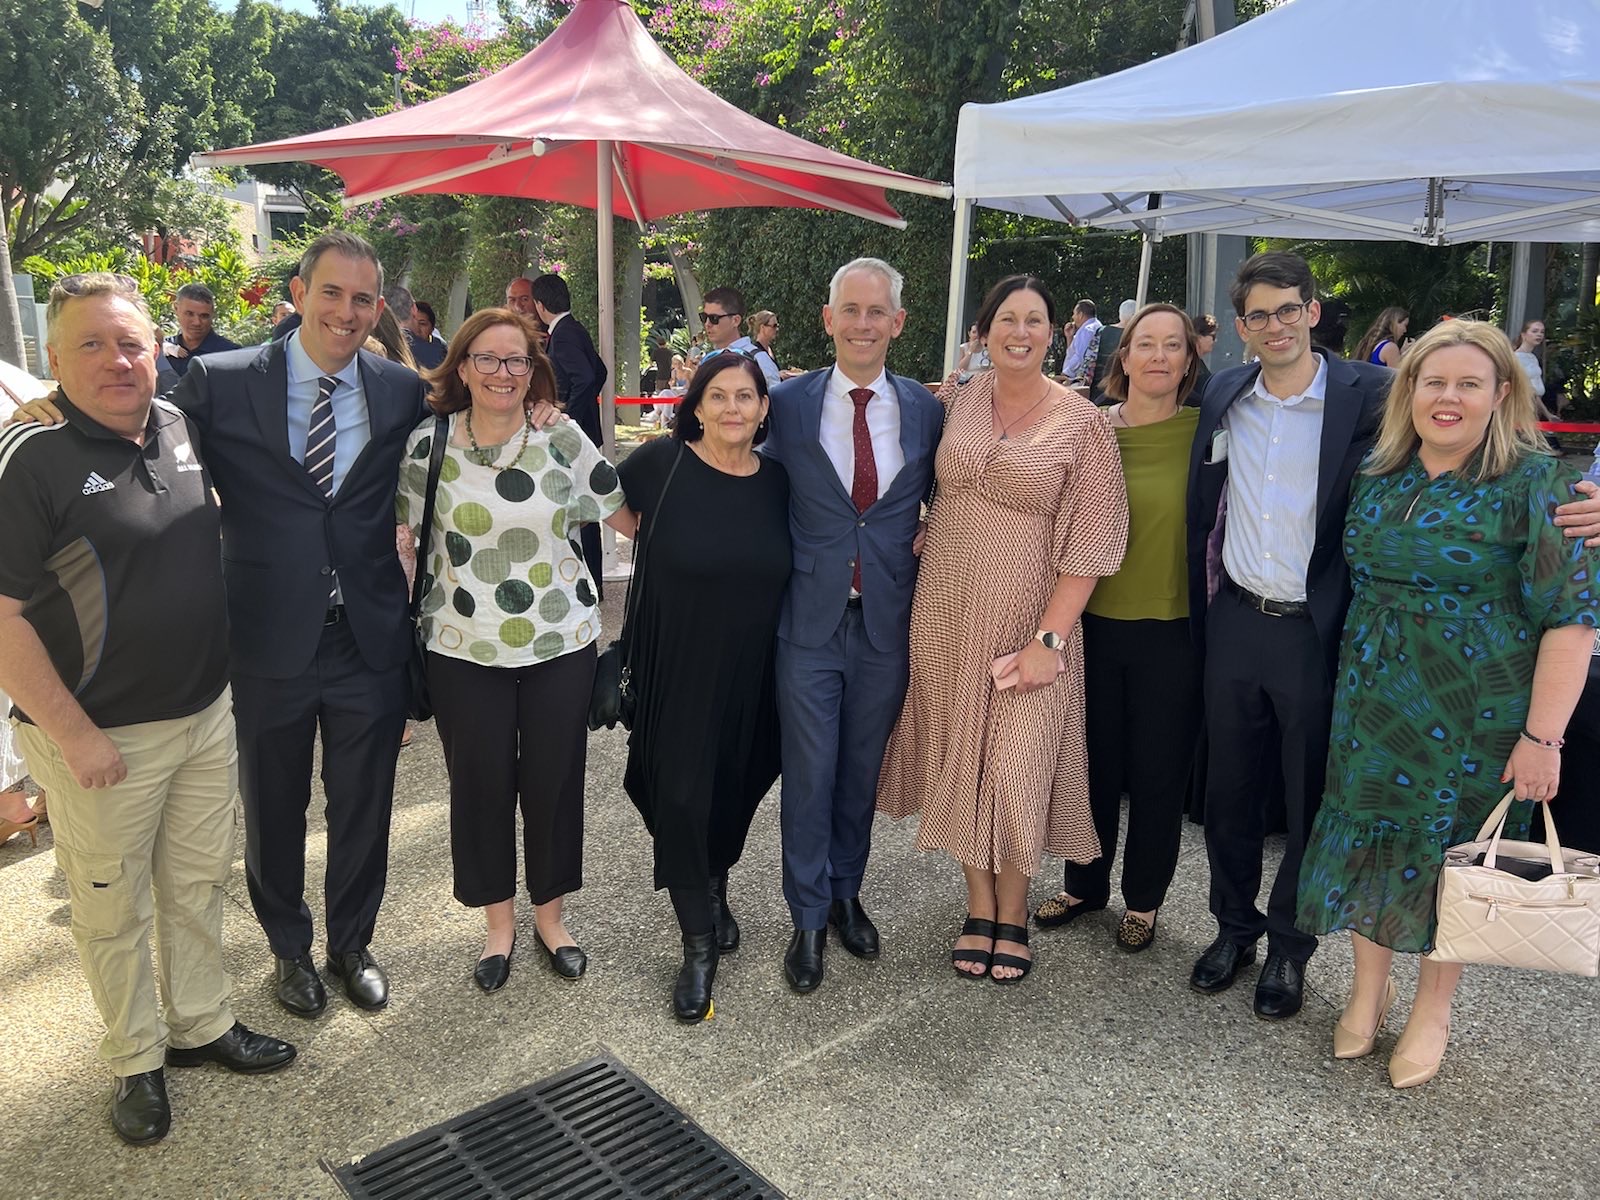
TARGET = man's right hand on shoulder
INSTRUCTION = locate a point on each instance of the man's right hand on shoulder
(42, 410)
(94, 760)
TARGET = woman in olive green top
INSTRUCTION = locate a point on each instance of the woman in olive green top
(1141, 672)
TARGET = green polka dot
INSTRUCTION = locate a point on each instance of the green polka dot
(519, 543)
(558, 523)
(432, 597)
(586, 595)
(458, 548)
(514, 596)
(585, 509)
(423, 448)
(533, 461)
(463, 602)
(402, 509)
(484, 652)
(513, 485)
(540, 574)
(414, 479)
(442, 502)
(603, 478)
(518, 631)
(473, 520)
(566, 444)
(491, 566)
(549, 645)
(554, 605)
(449, 470)
(557, 485)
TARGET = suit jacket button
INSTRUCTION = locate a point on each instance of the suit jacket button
(851, 564)
(326, 571)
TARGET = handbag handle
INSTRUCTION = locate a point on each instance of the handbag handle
(1495, 827)
(629, 602)
(441, 432)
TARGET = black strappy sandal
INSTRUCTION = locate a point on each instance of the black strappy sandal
(974, 927)
(1010, 933)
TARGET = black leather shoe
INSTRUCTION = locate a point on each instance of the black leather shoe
(802, 961)
(300, 988)
(726, 928)
(857, 933)
(1217, 968)
(491, 973)
(364, 981)
(139, 1110)
(1281, 988)
(569, 962)
(691, 994)
(239, 1050)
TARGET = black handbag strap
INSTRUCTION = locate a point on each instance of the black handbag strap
(441, 433)
(630, 601)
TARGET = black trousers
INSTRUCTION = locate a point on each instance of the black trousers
(1142, 715)
(1266, 692)
(514, 736)
(361, 715)
(1576, 808)
(587, 417)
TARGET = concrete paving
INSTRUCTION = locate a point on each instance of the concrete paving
(1102, 1075)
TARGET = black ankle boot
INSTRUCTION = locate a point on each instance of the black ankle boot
(691, 995)
(725, 927)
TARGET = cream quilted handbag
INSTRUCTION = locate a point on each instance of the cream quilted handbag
(1488, 914)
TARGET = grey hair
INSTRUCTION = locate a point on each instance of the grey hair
(878, 267)
(84, 287)
(400, 301)
(340, 242)
(1127, 310)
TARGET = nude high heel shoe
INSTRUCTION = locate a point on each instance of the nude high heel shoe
(1407, 1073)
(9, 829)
(1349, 1044)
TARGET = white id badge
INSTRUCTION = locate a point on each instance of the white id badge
(1219, 447)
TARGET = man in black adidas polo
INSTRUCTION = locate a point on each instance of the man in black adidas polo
(113, 645)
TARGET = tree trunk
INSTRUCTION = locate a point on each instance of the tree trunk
(10, 314)
(1588, 276)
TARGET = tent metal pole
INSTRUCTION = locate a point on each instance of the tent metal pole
(1146, 252)
(960, 248)
(606, 285)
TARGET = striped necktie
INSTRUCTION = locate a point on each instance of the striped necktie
(322, 437)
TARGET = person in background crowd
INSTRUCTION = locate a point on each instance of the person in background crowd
(392, 340)
(110, 539)
(1331, 330)
(1469, 607)
(284, 326)
(195, 308)
(859, 445)
(972, 356)
(1141, 669)
(1105, 351)
(1528, 348)
(427, 347)
(510, 660)
(719, 317)
(519, 299)
(1205, 341)
(1082, 331)
(1383, 339)
(757, 344)
(281, 310)
(704, 747)
(1029, 514)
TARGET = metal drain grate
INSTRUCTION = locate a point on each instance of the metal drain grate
(594, 1132)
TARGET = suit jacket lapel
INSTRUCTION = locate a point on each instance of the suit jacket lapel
(1341, 409)
(376, 393)
(910, 427)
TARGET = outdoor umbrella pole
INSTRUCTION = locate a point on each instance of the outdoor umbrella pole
(606, 290)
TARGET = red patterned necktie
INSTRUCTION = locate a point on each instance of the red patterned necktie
(864, 486)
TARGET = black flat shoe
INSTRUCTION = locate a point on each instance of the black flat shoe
(1216, 969)
(691, 994)
(569, 962)
(364, 981)
(1019, 935)
(857, 933)
(1281, 988)
(802, 961)
(139, 1110)
(299, 986)
(722, 922)
(492, 972)
(239, 1050)
(974, 927)
(1056, 911)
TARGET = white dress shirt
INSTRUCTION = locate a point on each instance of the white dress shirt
(837, 433)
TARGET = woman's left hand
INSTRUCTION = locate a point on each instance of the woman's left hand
(1038, 667)
(1535, 771)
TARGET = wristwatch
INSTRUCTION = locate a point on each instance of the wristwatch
(1050, 639)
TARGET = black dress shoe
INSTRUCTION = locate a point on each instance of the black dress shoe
(802, 961)
(364, 981)
(857, 933)
(569, 962)
(300, 988)
(1217, 968)
(725, 927)
(691, 994)
(1281, 988)
(491, 973)
(139, 1110)
(239, 1050)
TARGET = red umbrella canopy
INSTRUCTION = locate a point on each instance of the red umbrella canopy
(532, 130)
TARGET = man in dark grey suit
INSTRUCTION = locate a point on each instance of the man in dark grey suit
(303, 438)
(858, 444)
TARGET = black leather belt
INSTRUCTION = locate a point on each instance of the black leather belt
(335, 615)
(1263, 604)
(853, 602)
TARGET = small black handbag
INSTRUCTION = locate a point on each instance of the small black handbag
(421, 706)
(613, 700)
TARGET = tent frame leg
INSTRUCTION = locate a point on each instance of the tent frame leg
(960, 249)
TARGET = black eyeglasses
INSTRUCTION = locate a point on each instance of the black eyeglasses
(712, 318)
(73, 285)
(1288, 314)
(488, 364)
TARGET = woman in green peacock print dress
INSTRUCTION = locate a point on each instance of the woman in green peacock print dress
(1465, 649)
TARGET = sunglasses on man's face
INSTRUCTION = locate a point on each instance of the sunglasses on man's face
(712, 318)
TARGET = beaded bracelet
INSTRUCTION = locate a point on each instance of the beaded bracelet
(1556, 744)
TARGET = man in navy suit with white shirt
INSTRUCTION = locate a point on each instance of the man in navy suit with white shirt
(858, 444)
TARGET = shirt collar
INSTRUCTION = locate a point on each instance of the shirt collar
(303, 370)
(1317, 389)
(556, 319)
(839, 385)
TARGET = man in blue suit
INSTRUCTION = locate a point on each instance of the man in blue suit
(858, 444)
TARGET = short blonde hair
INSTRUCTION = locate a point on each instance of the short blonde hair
(86, 286)
(1513, 431)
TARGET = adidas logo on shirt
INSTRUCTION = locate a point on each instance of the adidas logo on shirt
(96, 483)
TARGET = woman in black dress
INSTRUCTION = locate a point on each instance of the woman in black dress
(714, 537)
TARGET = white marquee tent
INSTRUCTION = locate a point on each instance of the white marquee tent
(1435, 121)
